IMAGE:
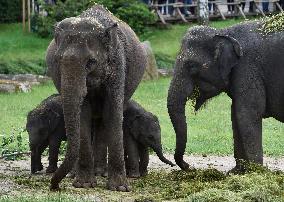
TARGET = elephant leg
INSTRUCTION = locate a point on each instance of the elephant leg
(40, 150)
(132, 152)
(54, 145)
(113, 116)
(144, 160)
(85, 175)
(100, 149)
(247, 132)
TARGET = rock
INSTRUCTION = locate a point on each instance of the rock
(165, 72)
(30, 78)
(151, 71)
(43, 79)
(20, 82)
(9, 86)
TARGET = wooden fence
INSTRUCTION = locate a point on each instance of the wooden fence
(178, 11)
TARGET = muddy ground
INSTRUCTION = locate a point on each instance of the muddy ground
(10, 169)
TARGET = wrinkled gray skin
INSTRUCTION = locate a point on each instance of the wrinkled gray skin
(95, 60)
(141, 130)
(241, 62)
(46, 128)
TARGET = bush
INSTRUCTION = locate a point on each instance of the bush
(10, 11)
(133, 12)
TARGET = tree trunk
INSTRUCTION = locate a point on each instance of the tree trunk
(203, 12)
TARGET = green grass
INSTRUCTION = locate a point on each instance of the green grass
(21, 52)
(209, 131)
(194, 185)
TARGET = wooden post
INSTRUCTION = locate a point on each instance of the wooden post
(203, 12)
(29, 15)
(33, 7)
(24, 15)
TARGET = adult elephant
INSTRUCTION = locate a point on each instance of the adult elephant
(240, 61)
(97, 61)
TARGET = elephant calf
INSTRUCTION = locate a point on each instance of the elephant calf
(141, 130)
(45, 125)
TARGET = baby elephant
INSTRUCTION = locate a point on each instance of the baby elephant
(141, 130)
(45, 125)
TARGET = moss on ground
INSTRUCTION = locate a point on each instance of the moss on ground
(193, 185)
(274, 23)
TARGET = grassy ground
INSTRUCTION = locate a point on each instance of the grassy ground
(206, 135)
(194, 186)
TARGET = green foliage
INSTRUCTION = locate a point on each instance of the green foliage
(273, 24)
(13, 142)
(133, 12)
(10, 11)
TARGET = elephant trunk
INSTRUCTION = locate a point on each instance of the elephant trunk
(159, 152)
(181, 88)
(73, 90)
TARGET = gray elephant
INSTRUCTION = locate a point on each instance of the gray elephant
(240, 61)
(141, 130)
(96, 61)
(46, 128)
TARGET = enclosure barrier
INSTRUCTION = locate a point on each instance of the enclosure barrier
(171, 12)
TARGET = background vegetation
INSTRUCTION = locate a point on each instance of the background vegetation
(10, 11)
(133, 12)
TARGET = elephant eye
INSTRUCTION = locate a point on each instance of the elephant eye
(90, 64)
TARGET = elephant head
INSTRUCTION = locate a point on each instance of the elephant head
(146, 130)
(85, 49)
(202, 70)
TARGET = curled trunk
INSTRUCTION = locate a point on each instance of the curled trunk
(159, 153)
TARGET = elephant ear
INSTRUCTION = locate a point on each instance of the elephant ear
(227, 53)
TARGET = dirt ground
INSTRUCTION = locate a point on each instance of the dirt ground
(10, 169)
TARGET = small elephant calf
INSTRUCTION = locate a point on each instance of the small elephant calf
(141, 130)
(45, 125)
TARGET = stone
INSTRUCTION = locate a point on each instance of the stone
(151, 71)
(9, 86)
(30, 78)
(165, 72)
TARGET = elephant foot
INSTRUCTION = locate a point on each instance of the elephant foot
(72, 174)
(181, 163)
(37, 168)
(237, 170)
(51, 169)
(101, 172)
(143, 173)
(133, 174)
(54, 186)
(85, 181)
(118, 183)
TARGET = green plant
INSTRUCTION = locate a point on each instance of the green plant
(14, 142)
(273, 24)
(133, 12)
(10, 11)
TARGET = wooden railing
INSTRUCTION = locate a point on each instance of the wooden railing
(178, 9)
